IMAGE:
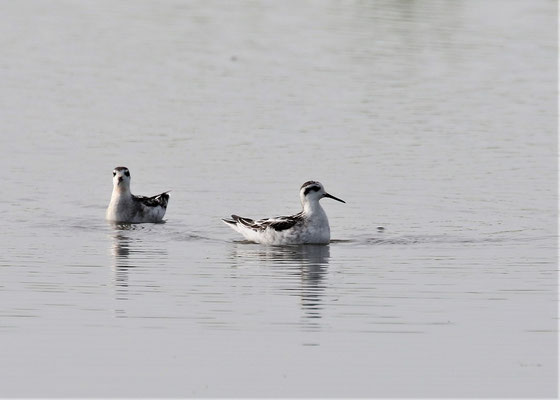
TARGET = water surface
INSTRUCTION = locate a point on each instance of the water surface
(435, 120)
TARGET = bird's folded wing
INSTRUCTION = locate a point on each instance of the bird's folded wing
(154, 201)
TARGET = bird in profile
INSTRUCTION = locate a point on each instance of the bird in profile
(126, 207)
(310, 226)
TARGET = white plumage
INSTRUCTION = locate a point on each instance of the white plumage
(311, 225)
(126, 207)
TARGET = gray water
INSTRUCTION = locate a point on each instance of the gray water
(433, 119)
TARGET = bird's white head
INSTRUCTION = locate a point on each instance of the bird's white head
(121, 179)
(312, 191)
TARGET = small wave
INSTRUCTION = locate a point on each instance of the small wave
(444, 239)
(189, 237)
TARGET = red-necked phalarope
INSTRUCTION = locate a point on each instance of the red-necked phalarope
(308, 226)
(126, 207)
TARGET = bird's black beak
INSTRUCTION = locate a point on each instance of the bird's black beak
(334, 198)
(120, 179)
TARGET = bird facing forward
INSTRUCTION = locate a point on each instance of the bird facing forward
(126, 207)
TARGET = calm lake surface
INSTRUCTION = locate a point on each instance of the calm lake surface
(433, 119)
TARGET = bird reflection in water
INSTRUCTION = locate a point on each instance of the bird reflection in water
(314, 262)
(121, 264)
(307, 263)
(121, 250)
(129, 252)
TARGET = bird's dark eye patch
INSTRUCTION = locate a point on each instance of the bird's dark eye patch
(127, 173)
(311, 188)
(114, 173)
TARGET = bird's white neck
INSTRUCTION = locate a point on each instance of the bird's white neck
(313, 208)
(121, 190)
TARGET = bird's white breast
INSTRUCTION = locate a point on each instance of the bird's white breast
(316, 230)
(119, 208)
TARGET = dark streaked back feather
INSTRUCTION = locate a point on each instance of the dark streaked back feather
(277, 223)
(160, 200)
